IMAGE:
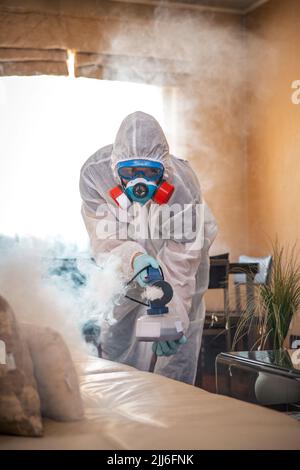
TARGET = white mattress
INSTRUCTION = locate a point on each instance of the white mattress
(129, 409)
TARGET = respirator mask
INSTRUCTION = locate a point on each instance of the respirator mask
(141, 180)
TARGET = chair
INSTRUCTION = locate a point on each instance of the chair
(213, 340)
(218, 279)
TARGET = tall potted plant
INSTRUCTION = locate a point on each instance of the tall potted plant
(270, 312)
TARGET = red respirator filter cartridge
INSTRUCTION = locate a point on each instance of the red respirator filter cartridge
(163, 193)
(120, 198)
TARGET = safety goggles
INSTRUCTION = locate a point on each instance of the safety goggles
(131, 169)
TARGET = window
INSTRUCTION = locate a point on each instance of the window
(49, 126)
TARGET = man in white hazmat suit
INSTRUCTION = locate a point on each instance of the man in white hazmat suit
(137, 170)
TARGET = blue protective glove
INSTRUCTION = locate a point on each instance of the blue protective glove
(167, 348)
(140, 262)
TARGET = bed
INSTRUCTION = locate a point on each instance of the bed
(129, 409)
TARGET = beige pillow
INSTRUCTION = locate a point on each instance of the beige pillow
(55, 374)
(19, 400)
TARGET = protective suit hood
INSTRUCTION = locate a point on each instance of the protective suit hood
(141, 137)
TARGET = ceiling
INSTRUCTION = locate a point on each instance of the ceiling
(230, 6)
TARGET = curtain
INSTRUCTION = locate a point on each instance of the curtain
(35, 36)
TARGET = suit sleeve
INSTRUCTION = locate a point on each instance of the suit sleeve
(107, 233)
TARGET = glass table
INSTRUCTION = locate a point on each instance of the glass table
(268, 378)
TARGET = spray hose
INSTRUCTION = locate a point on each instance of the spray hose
(133, 278)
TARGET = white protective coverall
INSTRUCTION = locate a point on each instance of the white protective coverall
(187, 270)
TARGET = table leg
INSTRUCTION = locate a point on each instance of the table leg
(227, 320)
(250, 307)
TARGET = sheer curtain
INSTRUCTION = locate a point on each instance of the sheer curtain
(49, 126)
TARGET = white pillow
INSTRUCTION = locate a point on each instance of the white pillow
(261, 276)
(55, 373)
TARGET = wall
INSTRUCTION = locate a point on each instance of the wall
(274, 141)
(221, 169)
(211, 112)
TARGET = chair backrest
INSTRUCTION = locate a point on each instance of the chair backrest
(263, 275)
(222, 256)
(218, 273)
